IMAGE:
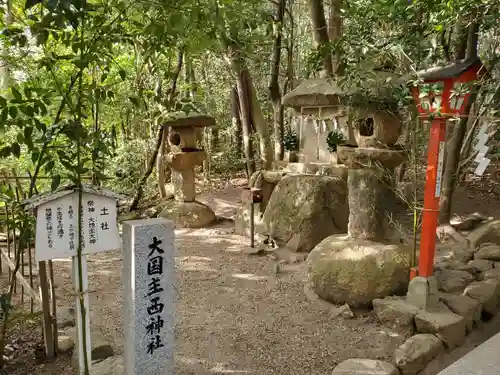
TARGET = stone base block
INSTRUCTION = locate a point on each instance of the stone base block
(345, 270)
(416, 352)
(468, 308)
(396, 314)
(357, 366)
(442, 322)
(423, 292)
(189, 214)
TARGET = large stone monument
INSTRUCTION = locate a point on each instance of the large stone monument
(149, 296)
(183, 157)
(370, 261)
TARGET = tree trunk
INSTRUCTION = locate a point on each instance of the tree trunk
(246, 122)
(290, 49)
(236, 121)
(320, 35)
(260, 124)
(160, 166)
(245, 115)
(274, 87)
(335, 34)
(240, 73)
(455, 144)
(159, 137)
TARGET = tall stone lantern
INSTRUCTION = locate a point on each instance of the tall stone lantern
(370, 261)
(184, 156)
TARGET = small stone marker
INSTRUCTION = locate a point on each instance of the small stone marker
(148, 275)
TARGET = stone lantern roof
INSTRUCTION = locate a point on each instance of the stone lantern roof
(332, 92)
(191, 119)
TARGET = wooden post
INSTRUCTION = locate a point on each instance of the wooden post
(252, 225)
(47, 319)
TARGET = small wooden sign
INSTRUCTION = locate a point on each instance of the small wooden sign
(57, 223)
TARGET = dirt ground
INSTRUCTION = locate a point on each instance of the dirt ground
(236, 315)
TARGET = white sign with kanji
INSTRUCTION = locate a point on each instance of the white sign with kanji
(57, 226)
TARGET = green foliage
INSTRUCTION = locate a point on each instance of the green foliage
(334, 139)
(291, 141)
(128, 166)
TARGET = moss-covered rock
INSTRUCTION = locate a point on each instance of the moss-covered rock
(188, 214)
(304, 209)
(345, 270)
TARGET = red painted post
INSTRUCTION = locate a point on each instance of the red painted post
(431, 196)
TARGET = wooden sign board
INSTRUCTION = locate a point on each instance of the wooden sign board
(57, 226)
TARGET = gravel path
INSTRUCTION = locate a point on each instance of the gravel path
(234, 314)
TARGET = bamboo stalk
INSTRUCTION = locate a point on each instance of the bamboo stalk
(44, 291)
(30, 291)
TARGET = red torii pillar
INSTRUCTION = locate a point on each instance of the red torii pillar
(437, 106)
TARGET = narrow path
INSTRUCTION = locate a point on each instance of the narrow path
(235, 314)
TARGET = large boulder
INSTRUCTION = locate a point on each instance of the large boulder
(304, 209)
(188, 214)
(345, 270)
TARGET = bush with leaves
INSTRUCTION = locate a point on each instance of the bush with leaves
(128, 165)
(334, 139)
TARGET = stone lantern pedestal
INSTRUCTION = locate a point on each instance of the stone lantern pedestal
(370, 261)
(184, 156)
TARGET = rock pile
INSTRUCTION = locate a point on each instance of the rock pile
(469, 291)
(104, 361)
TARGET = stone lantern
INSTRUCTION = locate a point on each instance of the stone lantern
(370, 261)
(184, 156)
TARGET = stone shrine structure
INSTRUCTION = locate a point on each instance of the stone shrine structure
(307, 201)
(370, 261)
(317, 104)
(183, 157)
